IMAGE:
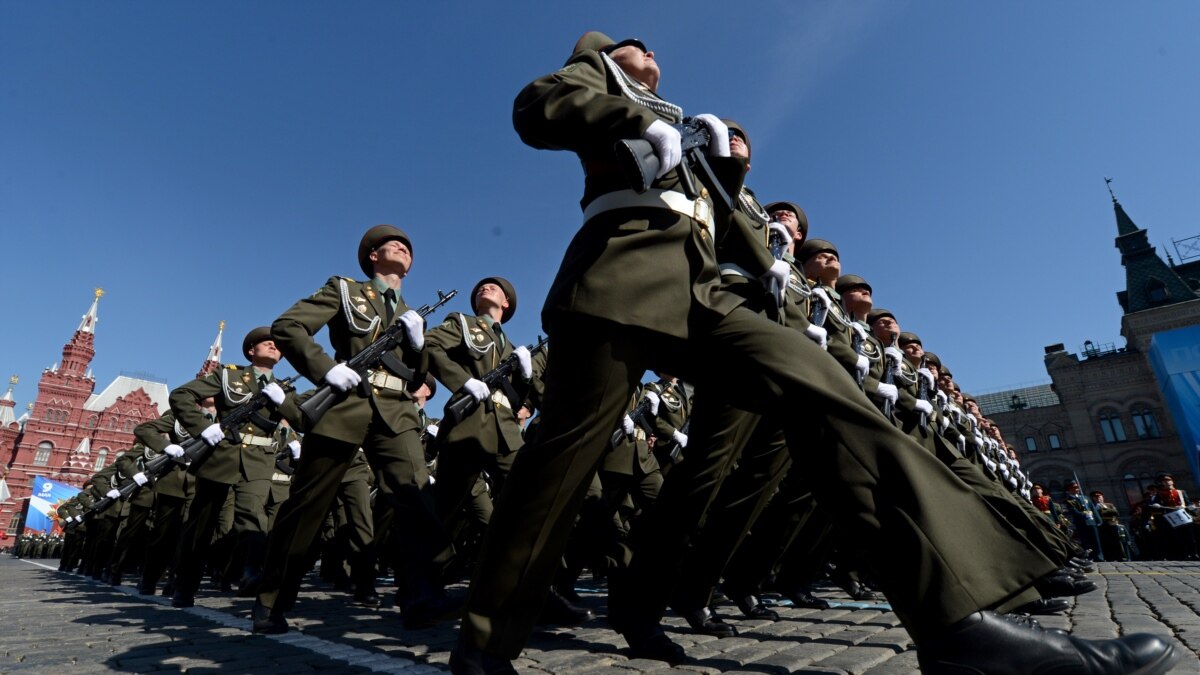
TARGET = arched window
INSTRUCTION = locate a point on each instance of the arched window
(42, 456)
(1144, 423)
(1031, 444)
(1055, 442)
(101, 457)
(128, 425)
(1113, 429)
(93, 421)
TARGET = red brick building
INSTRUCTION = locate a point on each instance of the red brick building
(70, 431)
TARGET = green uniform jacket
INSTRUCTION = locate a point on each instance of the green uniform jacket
(632, 453)
(156, 435)
(355, 314)
(673, 410)
(128, 464)
(102, 482)
(581, 108)
(230, 387)
(462, 348)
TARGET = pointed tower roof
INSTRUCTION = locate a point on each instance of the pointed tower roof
(213, 361)
(88, 324)
(1149, 281)
(8, 405)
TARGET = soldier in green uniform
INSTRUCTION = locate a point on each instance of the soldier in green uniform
(379, 417)
(135, 530)
(103, 530)
(172, 492)
(244, 468)
(461, 350)
(639, 289)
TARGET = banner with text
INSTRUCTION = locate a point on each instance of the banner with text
(1175, 357)
(47, 496)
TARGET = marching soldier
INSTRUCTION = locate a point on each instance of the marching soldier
(243, 468)
(172, 492)
(378, 416)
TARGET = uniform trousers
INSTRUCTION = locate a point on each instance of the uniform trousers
(164, 536)
(884, 489)
(400, 460)
(131, 539)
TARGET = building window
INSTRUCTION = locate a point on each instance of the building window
(42, 456)
(100, 459)
(1114, 431)
(1156, 291)
(1055, 443)
(129, 425)
(1031, 444)
(14, 524)
(1144, 424)
(93, 421)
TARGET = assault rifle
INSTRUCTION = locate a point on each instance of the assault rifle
(640, 165)
(819, 311)
(856, 343)
(778, 247)
(195, 449)
(379, 351)
(640, 416)
(889, 375)
(463, 404)
(923, 394)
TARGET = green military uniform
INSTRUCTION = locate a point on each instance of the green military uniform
(243, 469)
(172, 492)
(103, 530)
(462, 348)
(639, 289)
(379, 417)
(135, 530)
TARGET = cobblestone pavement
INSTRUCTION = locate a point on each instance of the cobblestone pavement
(63, 623)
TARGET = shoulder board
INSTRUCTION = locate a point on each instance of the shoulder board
(231, 367)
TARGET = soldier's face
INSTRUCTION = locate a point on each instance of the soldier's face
(824, 266)
(265, 351)
(884, 328)
(789, 220)
(737, 146)
(491, 294)
(914, 351)
(392, 257)
(638, 64)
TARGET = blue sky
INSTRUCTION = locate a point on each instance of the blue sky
(216, 161)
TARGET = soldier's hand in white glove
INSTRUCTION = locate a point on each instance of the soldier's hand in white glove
(113, 494)
(819, 295)
(212, 434)
(294, 447)
(778, 273)
(857, 328)
(897, 357)
(654, 401)
(667, 144)
(140, 478)
(818, 335)
(526, 361)
(414, 328)
(342, 377)
(941, 398)
(627, 425)
(923, 407)
(432, 430)
(862, 365)
(928, 375)
(887, 392)
(477, 389)
(680, 438)
(778, 228)
(174, 450)
(718, 145)
(274, 392)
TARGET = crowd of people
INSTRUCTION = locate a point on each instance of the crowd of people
(791, 427)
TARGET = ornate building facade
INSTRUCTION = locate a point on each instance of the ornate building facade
(1103, 417)
(70, 431)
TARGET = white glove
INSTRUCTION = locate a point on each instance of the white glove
(944, 421)
(778, 228)
(432, 430)
(174, 450)
(887, 392)
(819, 295)
(818, 335)
(78, 519)
(923, 407)
(342, 377)
(941, 398)
(294, 446)
(961, 444)
(526, 361)
(654, 400)
(680, 438)
(779, 272)
(928, 375)
(477, 389)
(274, 392)
(212, 434)
(140, 478)
(857, 328)
(667, 144)
(627, 425)
(862, 365)
(971, 417)
(414, 327)
(897, 358)
(719, 145)
(113, 494)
